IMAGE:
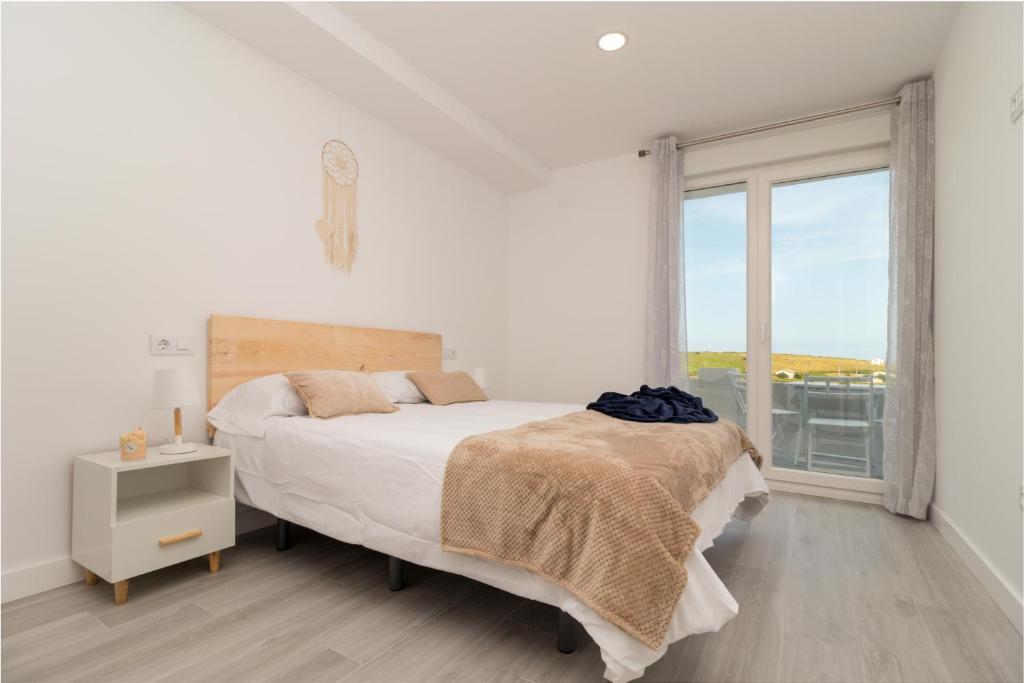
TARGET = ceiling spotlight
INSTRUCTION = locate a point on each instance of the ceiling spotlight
(610, 42)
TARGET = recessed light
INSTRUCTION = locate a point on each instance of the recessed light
(610, 42)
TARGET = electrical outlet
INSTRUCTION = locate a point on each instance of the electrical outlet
(160, 344)
(449, 353)
(1017, 103)
(170, 345)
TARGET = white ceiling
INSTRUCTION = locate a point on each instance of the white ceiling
(534, 71)
(529, 89)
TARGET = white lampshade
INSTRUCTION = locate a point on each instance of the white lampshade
(480, 377)
(174, 389)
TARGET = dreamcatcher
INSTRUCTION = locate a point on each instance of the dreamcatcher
(337, 226)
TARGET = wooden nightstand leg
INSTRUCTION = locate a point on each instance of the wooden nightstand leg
(215, 562)
(90, 578)
(121, 592)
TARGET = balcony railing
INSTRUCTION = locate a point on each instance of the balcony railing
(821, 423)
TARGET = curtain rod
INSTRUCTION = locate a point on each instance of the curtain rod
(781, 124)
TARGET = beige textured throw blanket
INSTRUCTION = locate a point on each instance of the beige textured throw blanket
(597, 505)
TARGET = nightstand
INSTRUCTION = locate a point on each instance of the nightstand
(134, 516)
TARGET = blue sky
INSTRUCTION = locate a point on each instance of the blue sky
(829, 268)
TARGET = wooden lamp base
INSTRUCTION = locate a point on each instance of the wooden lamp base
(176, 447)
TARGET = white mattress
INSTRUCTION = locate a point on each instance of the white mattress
(376, 480)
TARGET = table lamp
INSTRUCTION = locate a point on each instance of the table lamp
(174, 389)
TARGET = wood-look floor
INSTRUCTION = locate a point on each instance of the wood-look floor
(828, 591)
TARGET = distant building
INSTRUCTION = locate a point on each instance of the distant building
(878, 361)
(785, 374)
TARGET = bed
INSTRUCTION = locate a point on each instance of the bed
(376, 479)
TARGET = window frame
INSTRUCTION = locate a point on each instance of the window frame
(759, 181)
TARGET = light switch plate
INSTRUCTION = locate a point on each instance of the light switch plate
(1017, 104)
(170, 345)
(449, 353)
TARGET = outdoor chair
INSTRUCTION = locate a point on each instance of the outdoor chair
(837, 406)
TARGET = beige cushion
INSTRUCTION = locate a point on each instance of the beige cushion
(442, 388)
(329, 393)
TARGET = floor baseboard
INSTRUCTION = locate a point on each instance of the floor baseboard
(994, 584)
(249, 519)
(39, 577)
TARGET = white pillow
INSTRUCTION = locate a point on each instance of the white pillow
(243, 410)
(398, 387)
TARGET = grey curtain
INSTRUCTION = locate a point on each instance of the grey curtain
(666, 314)
(908, 425)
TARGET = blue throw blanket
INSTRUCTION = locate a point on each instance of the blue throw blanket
(661, 404)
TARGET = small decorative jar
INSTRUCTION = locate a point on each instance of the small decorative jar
(133, 444)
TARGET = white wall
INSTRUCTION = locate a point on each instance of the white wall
(576, 282)
(578, 258)
(978, 291)
(157, 171)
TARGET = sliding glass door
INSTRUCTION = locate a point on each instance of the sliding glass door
(784, 293)
(829, 256)
(715, 294)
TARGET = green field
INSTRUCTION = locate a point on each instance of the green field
(801, 365)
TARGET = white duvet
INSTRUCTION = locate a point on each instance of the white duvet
(376, 479)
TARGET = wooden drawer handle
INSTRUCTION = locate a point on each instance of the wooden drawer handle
(178, 538)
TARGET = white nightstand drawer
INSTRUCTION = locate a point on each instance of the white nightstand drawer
(186, 533)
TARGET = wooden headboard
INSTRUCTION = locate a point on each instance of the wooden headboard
(241, 349)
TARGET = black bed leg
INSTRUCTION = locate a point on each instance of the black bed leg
(396, 574)
(566, 633)
(284, 534)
